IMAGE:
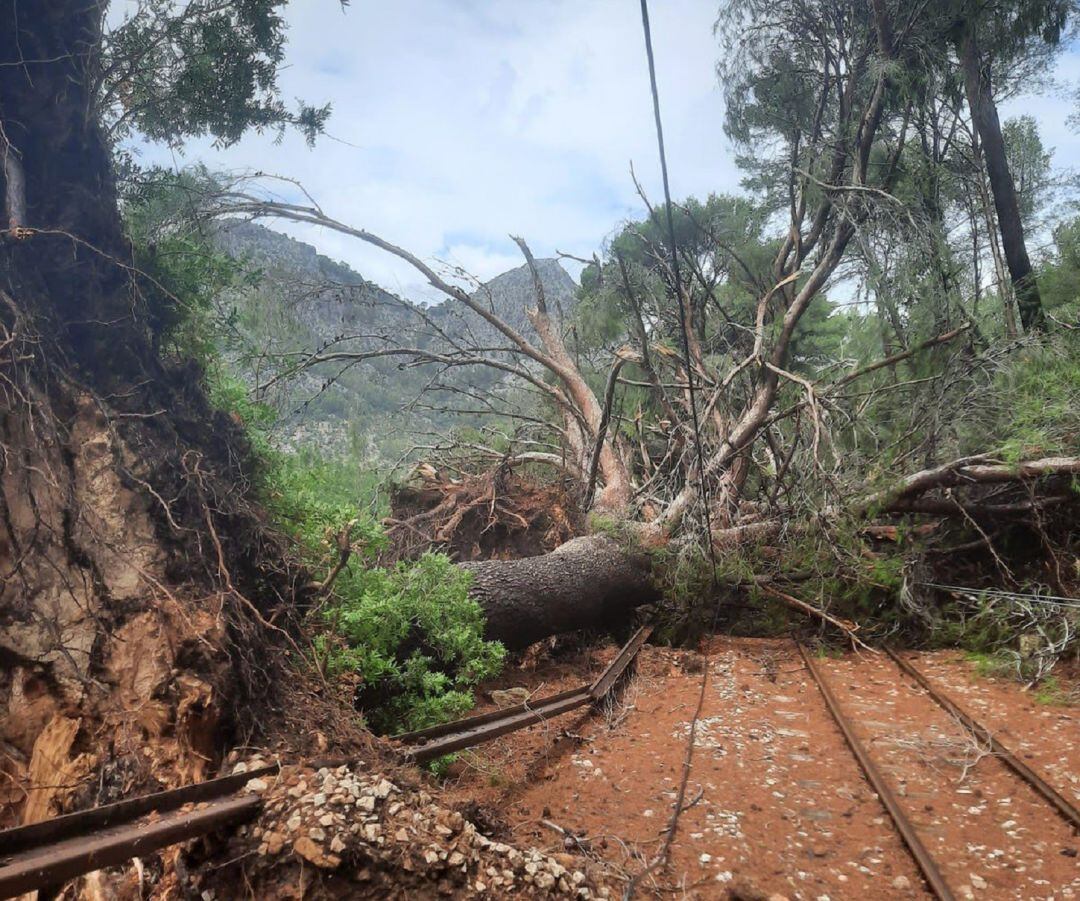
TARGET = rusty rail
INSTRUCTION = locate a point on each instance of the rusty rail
(904, 826)
(428, 744)
(1040, 785)
(51, 852)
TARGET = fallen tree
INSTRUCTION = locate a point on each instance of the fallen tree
(841, 165)
(589, 582)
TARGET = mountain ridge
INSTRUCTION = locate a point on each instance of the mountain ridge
(306, 301)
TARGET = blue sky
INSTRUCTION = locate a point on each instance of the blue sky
(462, 121)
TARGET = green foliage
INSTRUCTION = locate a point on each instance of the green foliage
(414, 637)
(1036, 408)
(317, 497)
(184, 276)
(990, 665)
(173, 71)
(1029, 165)
(1052, 693)
(409, 634)
(1059, 281)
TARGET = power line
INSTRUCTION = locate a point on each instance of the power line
(661, 859)
(1050, 599)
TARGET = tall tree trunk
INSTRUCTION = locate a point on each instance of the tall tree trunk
(72, 264)
(1000, 274)
(984, 117)
(114, 472)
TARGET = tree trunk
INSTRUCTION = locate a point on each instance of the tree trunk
(116, 477)
(984, 117)
(587, 582)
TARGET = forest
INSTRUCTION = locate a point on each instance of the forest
(258, 509)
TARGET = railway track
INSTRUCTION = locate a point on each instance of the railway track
(43, 856)
(428, 744)
(900, 808)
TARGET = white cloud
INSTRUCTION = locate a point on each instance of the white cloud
(468, 121)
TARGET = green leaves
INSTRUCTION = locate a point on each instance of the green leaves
(174, 71)
(409, 633)
(414, 637)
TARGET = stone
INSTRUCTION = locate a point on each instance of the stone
(319, 800)
(256, 785)
(275, 841)
(337, 844)
(326, 819)
(316, 834)
(901, 883)
(314, 854)
(977, 881)
(293, 823)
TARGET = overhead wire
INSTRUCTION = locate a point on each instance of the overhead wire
(683, 301)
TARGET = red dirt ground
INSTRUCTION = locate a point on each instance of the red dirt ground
(778, 805)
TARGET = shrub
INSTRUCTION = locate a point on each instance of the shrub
(414, 638)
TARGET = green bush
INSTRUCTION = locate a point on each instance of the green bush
(415, 639)
(1038, 399)
(410, 633)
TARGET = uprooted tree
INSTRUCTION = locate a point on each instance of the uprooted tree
(851, 101)
(139, 585)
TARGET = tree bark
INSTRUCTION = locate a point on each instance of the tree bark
(984, 117)
(586, 583)
(113, 469)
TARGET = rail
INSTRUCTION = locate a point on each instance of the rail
(1058, 801)
(925, 861)
(49, 853)
(43, 856)
(428, 744)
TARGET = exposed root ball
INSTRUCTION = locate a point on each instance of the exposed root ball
(497, 515)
